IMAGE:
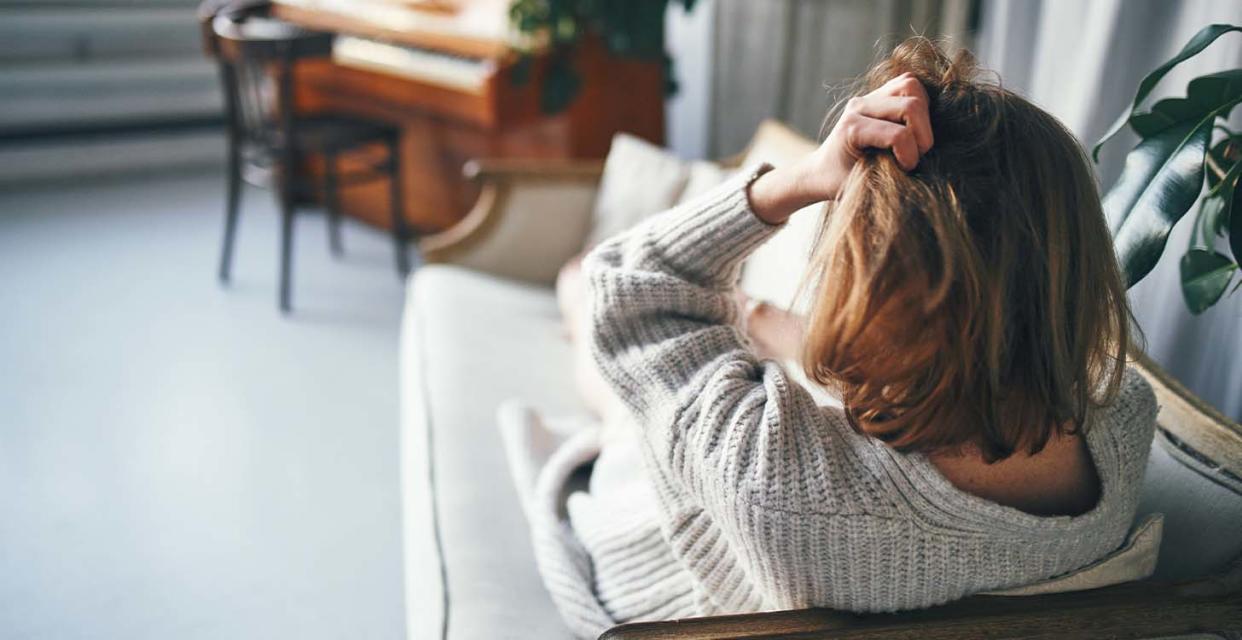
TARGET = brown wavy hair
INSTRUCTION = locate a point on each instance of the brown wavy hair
(975, 300)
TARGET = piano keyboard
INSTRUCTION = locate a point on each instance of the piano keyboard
(468, 75)
(482, 22)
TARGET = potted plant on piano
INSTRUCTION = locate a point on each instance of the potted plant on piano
(630, 29)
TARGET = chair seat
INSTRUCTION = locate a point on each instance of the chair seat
(338, 133)
(318, 134)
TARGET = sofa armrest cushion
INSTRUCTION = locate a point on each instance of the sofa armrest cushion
(521, 228)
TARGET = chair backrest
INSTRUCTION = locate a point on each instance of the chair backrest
(208, 10)
(256, 54)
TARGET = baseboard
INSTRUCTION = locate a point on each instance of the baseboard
(113, 155)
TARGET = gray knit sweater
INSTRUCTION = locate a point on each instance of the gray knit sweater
(764, 500)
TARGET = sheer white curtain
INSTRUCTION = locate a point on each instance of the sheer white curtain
(781, 58)
(1082, 61)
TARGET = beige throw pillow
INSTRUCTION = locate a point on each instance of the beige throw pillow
(641, 179)
(702, 176)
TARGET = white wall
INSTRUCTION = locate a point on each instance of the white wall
(690, 42)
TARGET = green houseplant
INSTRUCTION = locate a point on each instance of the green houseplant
(630, 28)
(1181, 140)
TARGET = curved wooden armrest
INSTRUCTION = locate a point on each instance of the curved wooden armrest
(531, 217)
(1194, 423)
(1135, 610)
(439, 247)
(510, 169)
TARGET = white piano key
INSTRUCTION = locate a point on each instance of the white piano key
(433, 67)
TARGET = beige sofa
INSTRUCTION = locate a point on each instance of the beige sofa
(481, 325)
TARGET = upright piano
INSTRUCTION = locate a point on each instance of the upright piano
(447, 72)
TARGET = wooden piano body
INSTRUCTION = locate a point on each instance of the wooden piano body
(446, 73)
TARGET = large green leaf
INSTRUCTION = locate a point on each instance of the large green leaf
(1213, 214)
(1198, 43)
(1205, 276)
(1235, 235)
(1161, 180)
(1205, 94)
(1217, 206)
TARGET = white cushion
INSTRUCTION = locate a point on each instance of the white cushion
(702, 176)
(470, 341)
(639, 179)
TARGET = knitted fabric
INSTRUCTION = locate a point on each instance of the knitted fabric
(764, 500)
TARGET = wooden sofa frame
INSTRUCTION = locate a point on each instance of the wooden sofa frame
(1135, 610)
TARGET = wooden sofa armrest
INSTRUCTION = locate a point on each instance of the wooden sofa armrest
(1134, 610)
(531, 217)
(1195, 424)
(511, 169)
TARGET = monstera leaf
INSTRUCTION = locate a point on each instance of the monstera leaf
(1161, 180)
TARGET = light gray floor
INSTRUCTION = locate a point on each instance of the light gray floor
(178, 460)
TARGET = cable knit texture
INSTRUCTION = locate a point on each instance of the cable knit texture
(764, 500)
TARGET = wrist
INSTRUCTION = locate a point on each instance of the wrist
(776, 194)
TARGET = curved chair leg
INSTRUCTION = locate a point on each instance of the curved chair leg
(286, 250)
(331, 203)
(399, 233)
(232, 205)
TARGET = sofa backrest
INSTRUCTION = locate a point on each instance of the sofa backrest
(1194, 476)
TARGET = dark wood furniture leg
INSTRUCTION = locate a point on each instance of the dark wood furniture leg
(233, 201)
(286, 244)
(330, 201)
(399, 234)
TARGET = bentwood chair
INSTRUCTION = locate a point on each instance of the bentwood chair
(271, 145)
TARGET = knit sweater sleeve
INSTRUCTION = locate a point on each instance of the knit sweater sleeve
(722, 426)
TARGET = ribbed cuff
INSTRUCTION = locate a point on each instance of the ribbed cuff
(710, 237)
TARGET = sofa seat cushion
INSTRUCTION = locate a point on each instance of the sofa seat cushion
(469, 342)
